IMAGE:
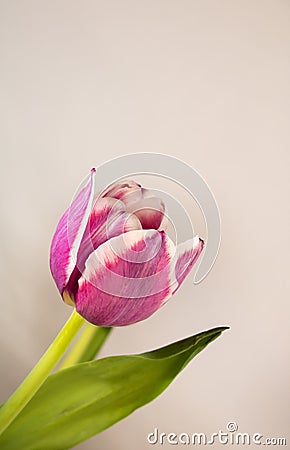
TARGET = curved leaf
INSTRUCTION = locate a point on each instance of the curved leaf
(79, 402)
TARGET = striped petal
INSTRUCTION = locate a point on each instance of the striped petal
(68, 235)
(126, 279)
(186, 255)
(108, 219)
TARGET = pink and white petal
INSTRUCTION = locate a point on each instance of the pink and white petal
(120, 189)
(126, 279)
(142, 202)
(186, 255)
(149, 210)
(68, 235)
(108, 219)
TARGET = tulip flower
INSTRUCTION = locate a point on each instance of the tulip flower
(111, 258)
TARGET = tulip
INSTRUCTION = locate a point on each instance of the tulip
(112, 259)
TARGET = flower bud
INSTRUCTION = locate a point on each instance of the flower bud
(111, 259)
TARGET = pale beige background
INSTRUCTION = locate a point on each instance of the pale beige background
(207, 81)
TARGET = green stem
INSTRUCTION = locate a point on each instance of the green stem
(40, 372)
(87, 346)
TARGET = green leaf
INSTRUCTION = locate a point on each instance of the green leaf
(79, 402)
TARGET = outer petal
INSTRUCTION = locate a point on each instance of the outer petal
(142, 202)
(186, 255)
(68, 235)
(126, 279)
